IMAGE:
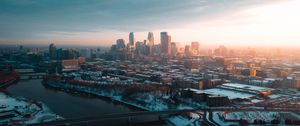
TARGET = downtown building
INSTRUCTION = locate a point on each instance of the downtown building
(165, 43)
(131, 44)
(52, 52)
(150, 43)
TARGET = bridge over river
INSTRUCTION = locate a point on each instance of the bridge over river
(157, 117)
(27, 76)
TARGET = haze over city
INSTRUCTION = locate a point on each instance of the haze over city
(233, 23)
(149, 62)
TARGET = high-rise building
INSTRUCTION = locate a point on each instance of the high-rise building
(150, 42)
(165, 43)
(59, 54)
(120, 43)
(139, 47)
(85, 53)
(187, 51)
(157, 49)
(52, 51)
(169, 45)
(173, 49)
(131, 43)
(221, 51)
(195, 48)
(131, 39)
(69, 54)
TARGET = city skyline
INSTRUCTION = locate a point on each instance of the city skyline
(149, 62)
(256, 23)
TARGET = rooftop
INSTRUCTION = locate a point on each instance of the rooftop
(246, 87)
(229, 93)
(223, 92)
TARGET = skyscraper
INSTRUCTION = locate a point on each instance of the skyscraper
(139, 47)
(52, 51)
(70, 53)
(173, 49)
(195, 48)
(131, 39)
(221, 51)
(187, 51)
(150, 42)
(120, 43)
(165, 43)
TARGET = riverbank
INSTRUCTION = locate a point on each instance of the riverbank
(20, 111)
(113, 95)
(88, 95)
(7, 79)
(68, 104)
(148, 103)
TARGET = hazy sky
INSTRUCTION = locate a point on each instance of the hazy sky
(101, 22)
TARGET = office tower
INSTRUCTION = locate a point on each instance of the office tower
(165, 43)
(113, 48)
(146, 48)
(98, 52)
(139, 47)
(131, 39)
(169, 45)
(150, 42)
(85, 53)
(157, 49)
(173, 49)
(221, 51)
(120, 43)
(195, 48)
(187, 51)
(59, 54)
(131, 43)
(52, 51)
(69, 54)
(93, 53)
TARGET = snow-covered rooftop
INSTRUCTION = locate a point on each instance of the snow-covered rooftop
(223, 92)
(38, 111)
(246, 87)
(229, 93)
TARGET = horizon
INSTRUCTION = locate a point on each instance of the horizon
(150, 62)
(230, 23)
(202, 46)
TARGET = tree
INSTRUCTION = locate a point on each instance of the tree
(275, 121)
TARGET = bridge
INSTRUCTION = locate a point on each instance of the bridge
(156, 116)
(27, 76)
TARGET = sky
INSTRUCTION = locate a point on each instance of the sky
(101, 22)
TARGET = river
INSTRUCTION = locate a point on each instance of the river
(67, 105)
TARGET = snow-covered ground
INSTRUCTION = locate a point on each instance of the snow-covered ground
(24, 111)
(220, 121)
(249, 116)
(147, 101)
(182, 121)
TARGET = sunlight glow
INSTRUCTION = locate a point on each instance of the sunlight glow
(276, 24)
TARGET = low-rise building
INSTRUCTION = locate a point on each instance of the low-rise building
(262, 91)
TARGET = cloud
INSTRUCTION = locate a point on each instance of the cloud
(101, 22)
(30, 19)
